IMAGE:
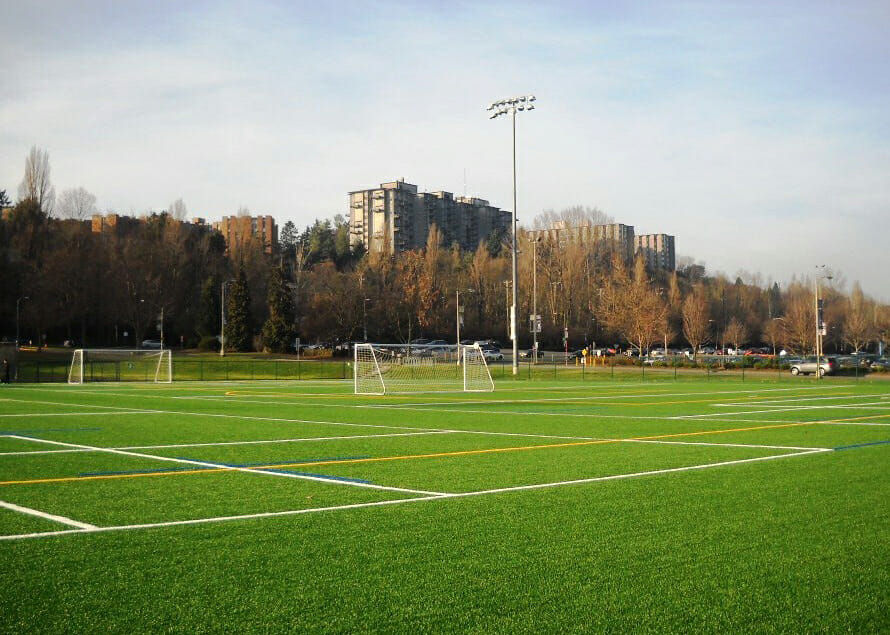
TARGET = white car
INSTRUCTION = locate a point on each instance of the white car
(492, 355)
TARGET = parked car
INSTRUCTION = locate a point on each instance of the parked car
(809, 365)
(155, 344)
(530, 353)
(492, 354)
(882, 363)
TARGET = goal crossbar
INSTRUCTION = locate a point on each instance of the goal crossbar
(113, 364)
(380, 369)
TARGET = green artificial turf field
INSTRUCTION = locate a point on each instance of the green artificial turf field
(548, 505)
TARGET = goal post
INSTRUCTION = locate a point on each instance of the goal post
(379, 369)
(93, 364)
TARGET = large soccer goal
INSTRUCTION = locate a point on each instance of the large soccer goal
(93, 364)
(385, 368)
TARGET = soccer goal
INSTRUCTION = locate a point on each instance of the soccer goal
(92, 364)
(385, 368)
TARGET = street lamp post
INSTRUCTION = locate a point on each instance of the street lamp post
(222, 311)
(820, 324)
(511, 106)
(18, 303)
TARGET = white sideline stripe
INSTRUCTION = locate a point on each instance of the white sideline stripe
(831, 398)
(502, 490)
(34, 512)
(75, 414)
(249, 470)
(252, 418)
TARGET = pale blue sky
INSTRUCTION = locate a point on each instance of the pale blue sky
(757, 132)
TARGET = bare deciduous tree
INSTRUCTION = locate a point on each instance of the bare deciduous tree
(572, 217)
(36, 183)
(695, 318)
(77, 203)
(774, 333)
(736, 333)
(859, 320)
(800, 319)
(178, 209)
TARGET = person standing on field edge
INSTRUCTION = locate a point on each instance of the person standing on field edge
(5, 371)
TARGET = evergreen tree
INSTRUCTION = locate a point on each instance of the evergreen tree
(278, 331)
(207, 322)
(239, 322)
(288, 238)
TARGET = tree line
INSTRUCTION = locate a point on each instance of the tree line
(116, 288)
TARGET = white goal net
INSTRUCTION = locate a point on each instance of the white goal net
(90, 364)
(385, 368)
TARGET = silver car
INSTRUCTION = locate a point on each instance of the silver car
(808, 365)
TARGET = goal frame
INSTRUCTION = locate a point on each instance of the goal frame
(370, 353)
(164, 355)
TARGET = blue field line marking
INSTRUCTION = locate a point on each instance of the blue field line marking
(861, 445)
(26, 432)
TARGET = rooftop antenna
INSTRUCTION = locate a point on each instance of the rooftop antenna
(465, 182)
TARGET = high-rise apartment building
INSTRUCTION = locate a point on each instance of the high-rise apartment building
(395, 217)
(242, 229)
(657, 250)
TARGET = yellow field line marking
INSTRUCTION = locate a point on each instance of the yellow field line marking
(399, 458)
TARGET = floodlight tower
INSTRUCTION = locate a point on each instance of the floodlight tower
(511, 106)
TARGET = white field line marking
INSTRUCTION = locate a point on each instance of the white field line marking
(465, 401)
(252, 418)
(870, 405)
(637, 474)
(727, 445)
(808, 399)
(76, 414)
(402, 434)
(227, 468)
(223, 443)
(34, 512)
(852, 423)
(408, 500)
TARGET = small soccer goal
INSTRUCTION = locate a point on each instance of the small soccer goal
(90, 365)
(379, 369)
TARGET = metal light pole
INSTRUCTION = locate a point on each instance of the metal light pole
(535, 242)
(820, 324)
(222, 311)
(162, 328)
(458, 316)
(509, 107)
(18, 303)
(365, 317)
